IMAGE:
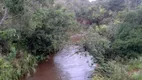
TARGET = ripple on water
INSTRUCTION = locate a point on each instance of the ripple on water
(66, 65)
(76, 66)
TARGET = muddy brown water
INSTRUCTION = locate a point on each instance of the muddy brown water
(71, 63)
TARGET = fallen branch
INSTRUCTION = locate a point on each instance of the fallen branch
(4, 17)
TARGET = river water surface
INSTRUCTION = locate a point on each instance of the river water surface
(71, 63)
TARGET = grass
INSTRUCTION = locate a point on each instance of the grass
(15, 68)
(112, 70)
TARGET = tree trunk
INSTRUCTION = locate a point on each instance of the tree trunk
(4, 16)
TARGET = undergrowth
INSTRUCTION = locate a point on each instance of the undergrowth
(12, 69)
(112, 70)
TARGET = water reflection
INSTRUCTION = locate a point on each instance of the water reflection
(72, 63)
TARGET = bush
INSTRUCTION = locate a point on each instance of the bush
(7, 37)
(119, 70)
(39, 43)
(38, 30)
(6, 70)
(99, 77)
(137, 76)
(112, 70)
(135, 68)
(135, 64)
(15, 6)
(51, 27)
(12, 69)
(134, 17)
(96, 45)
(128, 41)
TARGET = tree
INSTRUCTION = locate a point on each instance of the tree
(115, 5)
(15, 7)
(128, 41)
(51, 27)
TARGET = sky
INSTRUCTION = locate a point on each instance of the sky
(92, 0)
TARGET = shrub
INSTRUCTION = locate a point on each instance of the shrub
(128, 41)
(15, 6)
(99, 77)
(137, 76)
(96, 45)
(7, 37)
(13, 69)
(6, 70)
(51, 27)
(134, 17)
(118, 70)
(112, 70)
(135, 64)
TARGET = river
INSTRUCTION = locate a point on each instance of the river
(71, 63)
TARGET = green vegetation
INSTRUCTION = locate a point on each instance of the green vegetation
(14, 69)
(116, 70)
(128, 41)
(52, 25)
(114, 38)
(30, 30)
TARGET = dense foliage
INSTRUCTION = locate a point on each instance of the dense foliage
(32, 29)
(115, 38)
(128, 40)
(13, 69)
(52, 25)
(15, 6)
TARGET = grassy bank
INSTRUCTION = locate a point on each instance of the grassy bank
(30, 30)
(116, 70)
(15, 68)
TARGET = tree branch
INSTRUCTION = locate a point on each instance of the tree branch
(4, 17)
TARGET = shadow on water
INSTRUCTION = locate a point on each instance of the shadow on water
(66, 65)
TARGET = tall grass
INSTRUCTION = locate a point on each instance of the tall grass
(12, 69)
(112, 70)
